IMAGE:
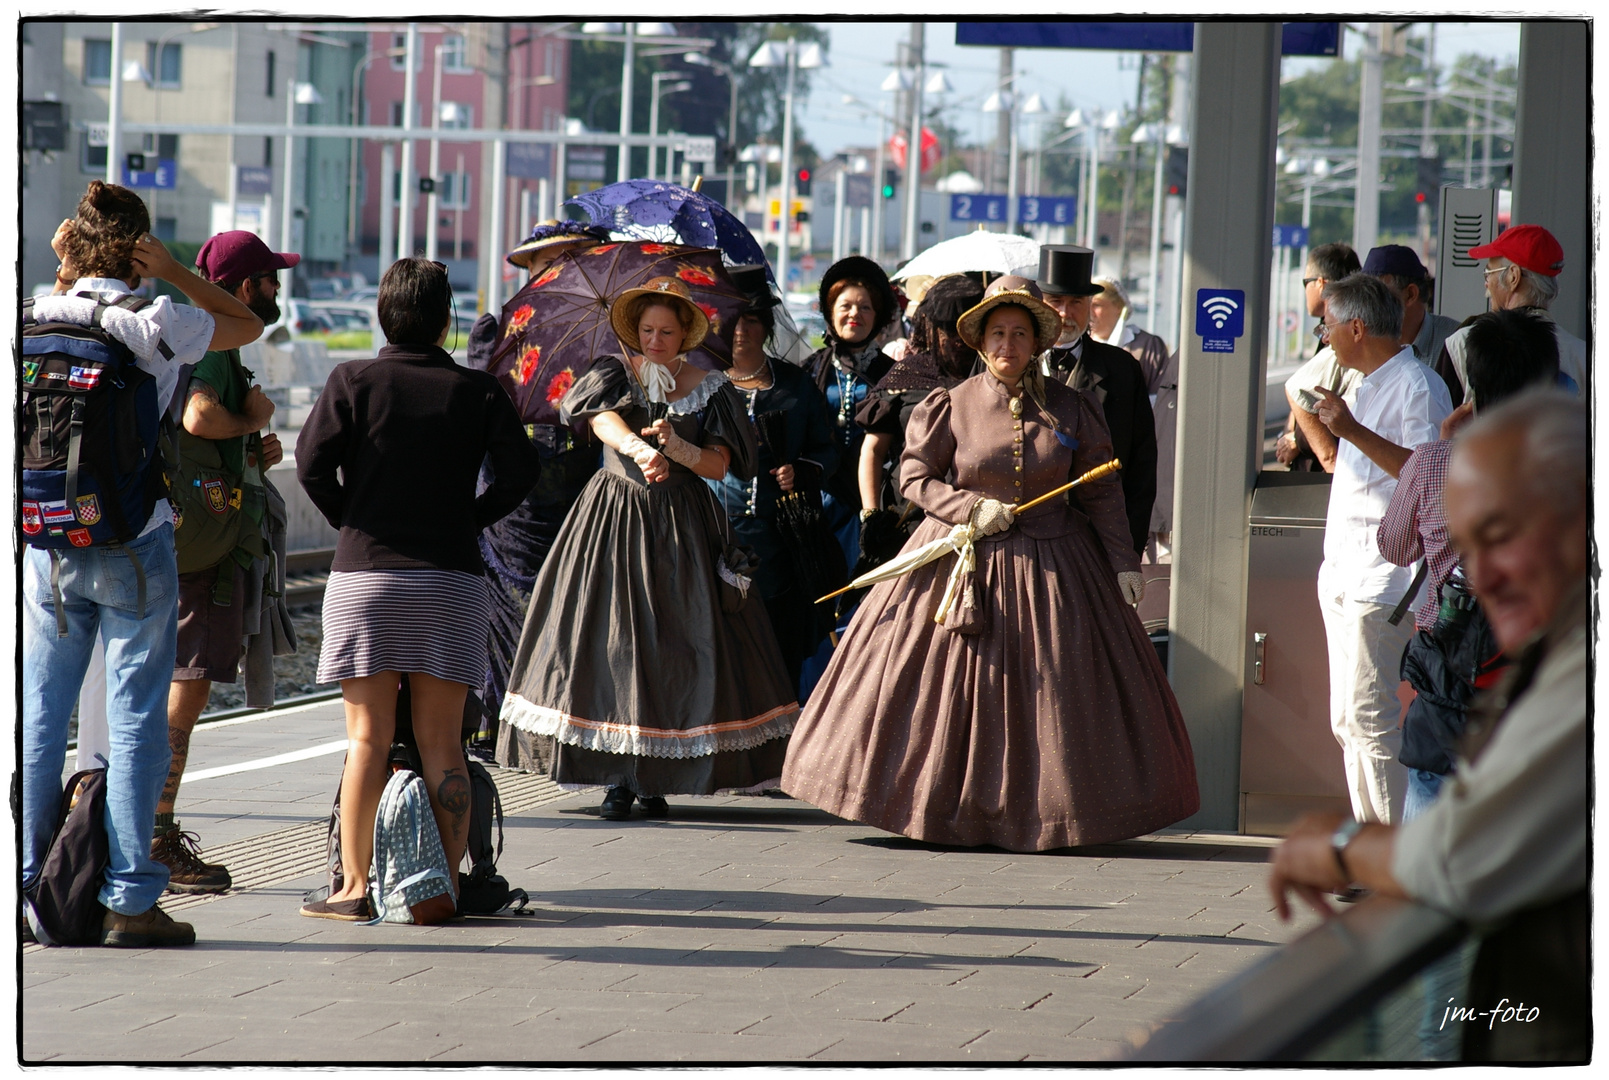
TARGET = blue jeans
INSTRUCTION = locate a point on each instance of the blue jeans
(99, 592)
(1423, 787)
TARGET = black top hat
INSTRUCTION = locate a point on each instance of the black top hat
(859, 268)
(751, 282)
(1066, 269)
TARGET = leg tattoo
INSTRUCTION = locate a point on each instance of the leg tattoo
(454, 796)
(179, 743)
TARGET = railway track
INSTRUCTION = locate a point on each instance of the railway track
(306, 573)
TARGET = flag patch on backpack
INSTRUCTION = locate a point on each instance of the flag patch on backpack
(89, 509)
(56, 513)
(217, 496)
(83, 378)
(31, 521)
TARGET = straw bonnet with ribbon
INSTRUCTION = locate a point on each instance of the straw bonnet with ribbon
(1011, 290)
(627, 309)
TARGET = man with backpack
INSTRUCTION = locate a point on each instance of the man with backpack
(98, 366)
(220, 500)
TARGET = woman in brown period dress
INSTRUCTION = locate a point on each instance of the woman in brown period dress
(629, 664)
(1039, 717)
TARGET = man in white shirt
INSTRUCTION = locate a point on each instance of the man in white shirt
(1399, 401)
(105, 253)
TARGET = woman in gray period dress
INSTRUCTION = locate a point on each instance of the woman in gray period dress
(628, 662)
(1039, 717)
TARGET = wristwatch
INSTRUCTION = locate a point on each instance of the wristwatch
(1338, 842)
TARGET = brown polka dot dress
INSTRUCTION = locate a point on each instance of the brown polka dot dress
(1040, 718)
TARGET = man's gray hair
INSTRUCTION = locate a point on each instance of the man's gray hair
(1552, 426)
(1539, 290)
(1366, 297)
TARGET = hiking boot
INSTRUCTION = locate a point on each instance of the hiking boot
(152, 928)
(180, 853)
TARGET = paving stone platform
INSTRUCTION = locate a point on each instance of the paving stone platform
(740, 930)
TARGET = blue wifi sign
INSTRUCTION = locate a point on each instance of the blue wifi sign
(1220, 318)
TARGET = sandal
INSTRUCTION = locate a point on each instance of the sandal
(354, 910)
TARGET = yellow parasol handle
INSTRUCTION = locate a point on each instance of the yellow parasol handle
(1094, 474)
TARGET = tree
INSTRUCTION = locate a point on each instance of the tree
(705, 109)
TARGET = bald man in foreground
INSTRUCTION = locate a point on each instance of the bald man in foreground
(1504, 846)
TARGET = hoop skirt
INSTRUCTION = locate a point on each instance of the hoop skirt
(1046, 721)
(628, 668)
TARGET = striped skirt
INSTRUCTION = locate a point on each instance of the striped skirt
(432, 621)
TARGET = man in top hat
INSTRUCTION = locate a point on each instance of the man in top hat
(224, 420)
(517, 545)
(1522, 271)
(1110, 373)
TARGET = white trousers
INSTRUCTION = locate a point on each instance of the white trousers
(1365, 669)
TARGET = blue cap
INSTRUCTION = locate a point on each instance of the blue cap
(1395, 260)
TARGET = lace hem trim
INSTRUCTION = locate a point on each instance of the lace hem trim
(612, 738)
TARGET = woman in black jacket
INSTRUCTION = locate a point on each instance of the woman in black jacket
(859, 304)
(407, 596)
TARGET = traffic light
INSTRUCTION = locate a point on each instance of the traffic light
(802, 182)
(1176, 169)
(427, 185)
(135, 162)
(1428, 184)
(890, 178)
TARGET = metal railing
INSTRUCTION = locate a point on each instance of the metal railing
(1359, 987)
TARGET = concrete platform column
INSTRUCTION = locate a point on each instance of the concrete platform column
(1229, 218)
(1552, 151)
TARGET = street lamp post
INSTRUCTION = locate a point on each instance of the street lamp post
(295, 94)
(913, 150)
(659, 90)
(623, 172)
(731, 123)
(433, 200)
(780, 54)
(409, 97)
(352, 150)
(114, 110)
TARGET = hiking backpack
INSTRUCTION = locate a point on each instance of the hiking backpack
(408, 879)
(62, 903)
(91, 433)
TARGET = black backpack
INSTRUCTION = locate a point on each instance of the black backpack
(62, 904)
(91, 433)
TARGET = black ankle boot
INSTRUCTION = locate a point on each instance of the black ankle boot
(654, 806)
(617, 804)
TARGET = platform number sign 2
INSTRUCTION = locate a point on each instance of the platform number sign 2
(977, 208)
(1220, 318)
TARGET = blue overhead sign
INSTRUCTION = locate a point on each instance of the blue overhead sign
(1298, 38)
(1031, 209)
(1290, 236)
(977, 208)
(165, 175)
(1220, 318)
(1047, 209)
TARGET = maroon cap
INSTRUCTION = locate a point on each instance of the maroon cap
(236, 255)
(1529, 246)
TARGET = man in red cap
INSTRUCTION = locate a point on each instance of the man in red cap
(1522, 271)
(220, 501)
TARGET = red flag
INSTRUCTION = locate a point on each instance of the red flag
(931, 151)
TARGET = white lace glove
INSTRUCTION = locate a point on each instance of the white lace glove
(679, 449)
(1133, 585)
(991, 516)
(639, 452)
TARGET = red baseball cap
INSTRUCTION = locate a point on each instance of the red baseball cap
(1530, 247)
(236, 255)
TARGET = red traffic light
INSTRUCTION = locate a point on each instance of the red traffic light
(1419, 197)
(804, 174)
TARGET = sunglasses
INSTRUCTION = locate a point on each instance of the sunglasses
(266, 275)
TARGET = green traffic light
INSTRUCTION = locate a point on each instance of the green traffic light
(888, 191)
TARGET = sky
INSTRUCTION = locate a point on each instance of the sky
(862, 54)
